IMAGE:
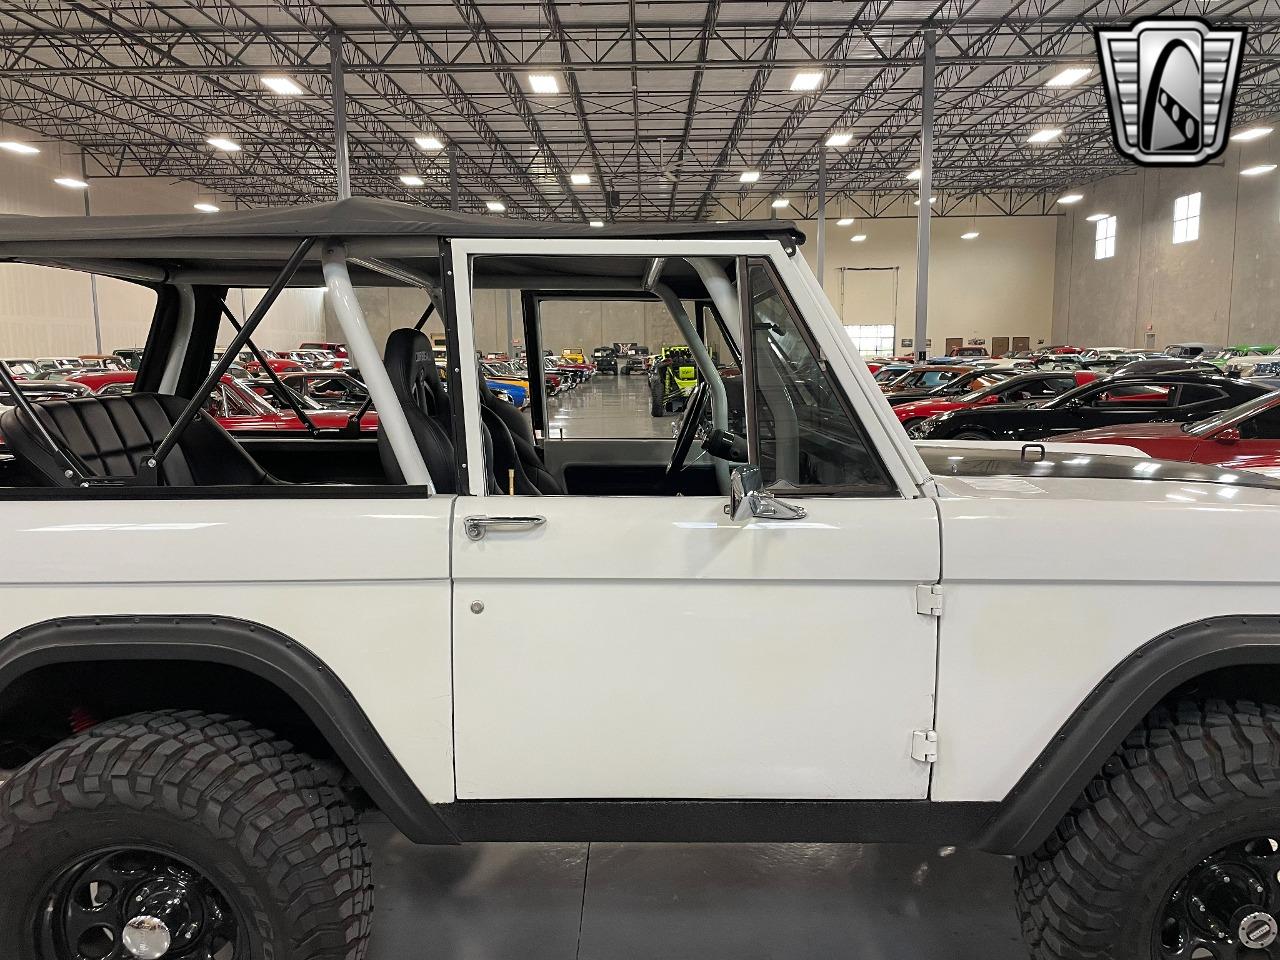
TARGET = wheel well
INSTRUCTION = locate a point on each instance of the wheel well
(1259, 682)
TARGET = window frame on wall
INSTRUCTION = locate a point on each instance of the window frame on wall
(1104, 238)
(1186, 218)
(881, 341)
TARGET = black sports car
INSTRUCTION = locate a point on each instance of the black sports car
(965, 383)
(1153, 398)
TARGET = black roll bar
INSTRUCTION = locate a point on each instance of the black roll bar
(285, 393)
(149, 473)
(73, 468)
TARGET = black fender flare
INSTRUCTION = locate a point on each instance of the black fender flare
(1115, 707)
(259, 650)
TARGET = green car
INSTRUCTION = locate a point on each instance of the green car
(671, 379)
(1226, 356)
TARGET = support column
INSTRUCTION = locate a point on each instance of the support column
(822, 213)
(926, 190)
(93, 277)
(342, 159)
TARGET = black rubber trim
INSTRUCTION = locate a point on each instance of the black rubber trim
(259, 650)
(1115, 707)
(290, 491)
(717, 821)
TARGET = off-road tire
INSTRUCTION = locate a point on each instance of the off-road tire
(1189, 781)
(266, 824)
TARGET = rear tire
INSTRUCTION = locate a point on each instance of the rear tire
(1117, 880)
(255, 822)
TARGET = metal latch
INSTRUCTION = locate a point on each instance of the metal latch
(924, 745)
(929, 599)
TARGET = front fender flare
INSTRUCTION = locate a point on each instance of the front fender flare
(257, 649)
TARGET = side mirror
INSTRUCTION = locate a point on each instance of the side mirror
(748, 498)
(1227, 435)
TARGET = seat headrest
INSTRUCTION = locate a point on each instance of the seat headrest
(411, 367)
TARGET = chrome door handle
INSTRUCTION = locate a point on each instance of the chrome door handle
(475, 527)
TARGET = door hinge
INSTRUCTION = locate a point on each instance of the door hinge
(924, 745)
(929, 599)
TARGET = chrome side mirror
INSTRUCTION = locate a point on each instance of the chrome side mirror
(748, 498)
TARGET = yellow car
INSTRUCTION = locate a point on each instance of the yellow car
(573, 355)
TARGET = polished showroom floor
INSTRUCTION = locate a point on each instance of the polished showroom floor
(623, 901)
(607, 407)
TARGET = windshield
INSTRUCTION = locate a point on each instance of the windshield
(1247, 409)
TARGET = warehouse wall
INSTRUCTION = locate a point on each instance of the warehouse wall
(1220, 289)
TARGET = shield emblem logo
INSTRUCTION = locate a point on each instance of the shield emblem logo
(1171, 84)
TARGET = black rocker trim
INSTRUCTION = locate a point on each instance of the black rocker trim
(1031, 810)
(259, 650)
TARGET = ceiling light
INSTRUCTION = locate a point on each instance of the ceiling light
(931, 200)
(780, 203)
(1068, 77)
(1070, 198)
(1095, 217)
(495, 206)
(839, 139)
(71, 183)
(1258, 170)
(544, 83)
(222, 143)
(411, 180)
(426, 141)
(845, 222)
(749, 176)
(1253, 133)
(14, 146)
(970, 235)
(207, 207)
(914, 174)
(858, 237)
(1044, 136)
(597, 223)
(281, 85)
(580, 179)
(806, 81)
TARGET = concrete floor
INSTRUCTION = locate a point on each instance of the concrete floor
(620, 901)
(607, 407)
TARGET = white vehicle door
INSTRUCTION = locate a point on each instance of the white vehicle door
(653, 647)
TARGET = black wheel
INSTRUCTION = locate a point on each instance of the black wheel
(180, 835)
(970, 435)
(655, 404)
(1173, 852)
(913, 422)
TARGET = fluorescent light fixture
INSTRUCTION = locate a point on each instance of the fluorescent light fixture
(1070, 198)
(749, 176)
(207, 207)
(71, 183)
(222, 143)
(596, 223)
(1044, 136)
(544, 83)
(580, 179)
(1095, 217)
(412, 180)
(839, 139)
(931, 200)
(970, 235)
(858, 237)
(285, 86)
(495, 206)
(13, 146)
(807, 80)
(1068, 77)
(845, 222)
(1252, 133)
(780, 203)
(426, 141)
(1257, 170)
(914, 174)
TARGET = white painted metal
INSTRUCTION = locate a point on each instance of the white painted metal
(391, 418)
(650, 647)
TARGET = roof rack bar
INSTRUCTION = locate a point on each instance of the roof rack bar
(74, 469)
(150, 471)
(285, 393)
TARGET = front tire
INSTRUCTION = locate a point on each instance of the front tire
(186, 815)
(971, 435)
(1173, 849)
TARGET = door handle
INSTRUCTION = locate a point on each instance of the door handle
(475, 527)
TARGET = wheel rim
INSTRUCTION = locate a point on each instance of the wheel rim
(1226, 907)
(135, 904)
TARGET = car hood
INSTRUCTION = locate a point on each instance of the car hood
(1121, 432)
(927, 407)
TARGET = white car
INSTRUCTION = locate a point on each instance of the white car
(205, 670)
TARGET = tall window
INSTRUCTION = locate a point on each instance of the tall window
(1186, 218)
(872, 340)
(1104, 244)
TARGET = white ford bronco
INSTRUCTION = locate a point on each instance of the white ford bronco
(217, 647)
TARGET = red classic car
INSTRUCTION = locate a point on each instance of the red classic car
(1019, 389)
(1246, 437)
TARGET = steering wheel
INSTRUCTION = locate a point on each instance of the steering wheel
(694, 411)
